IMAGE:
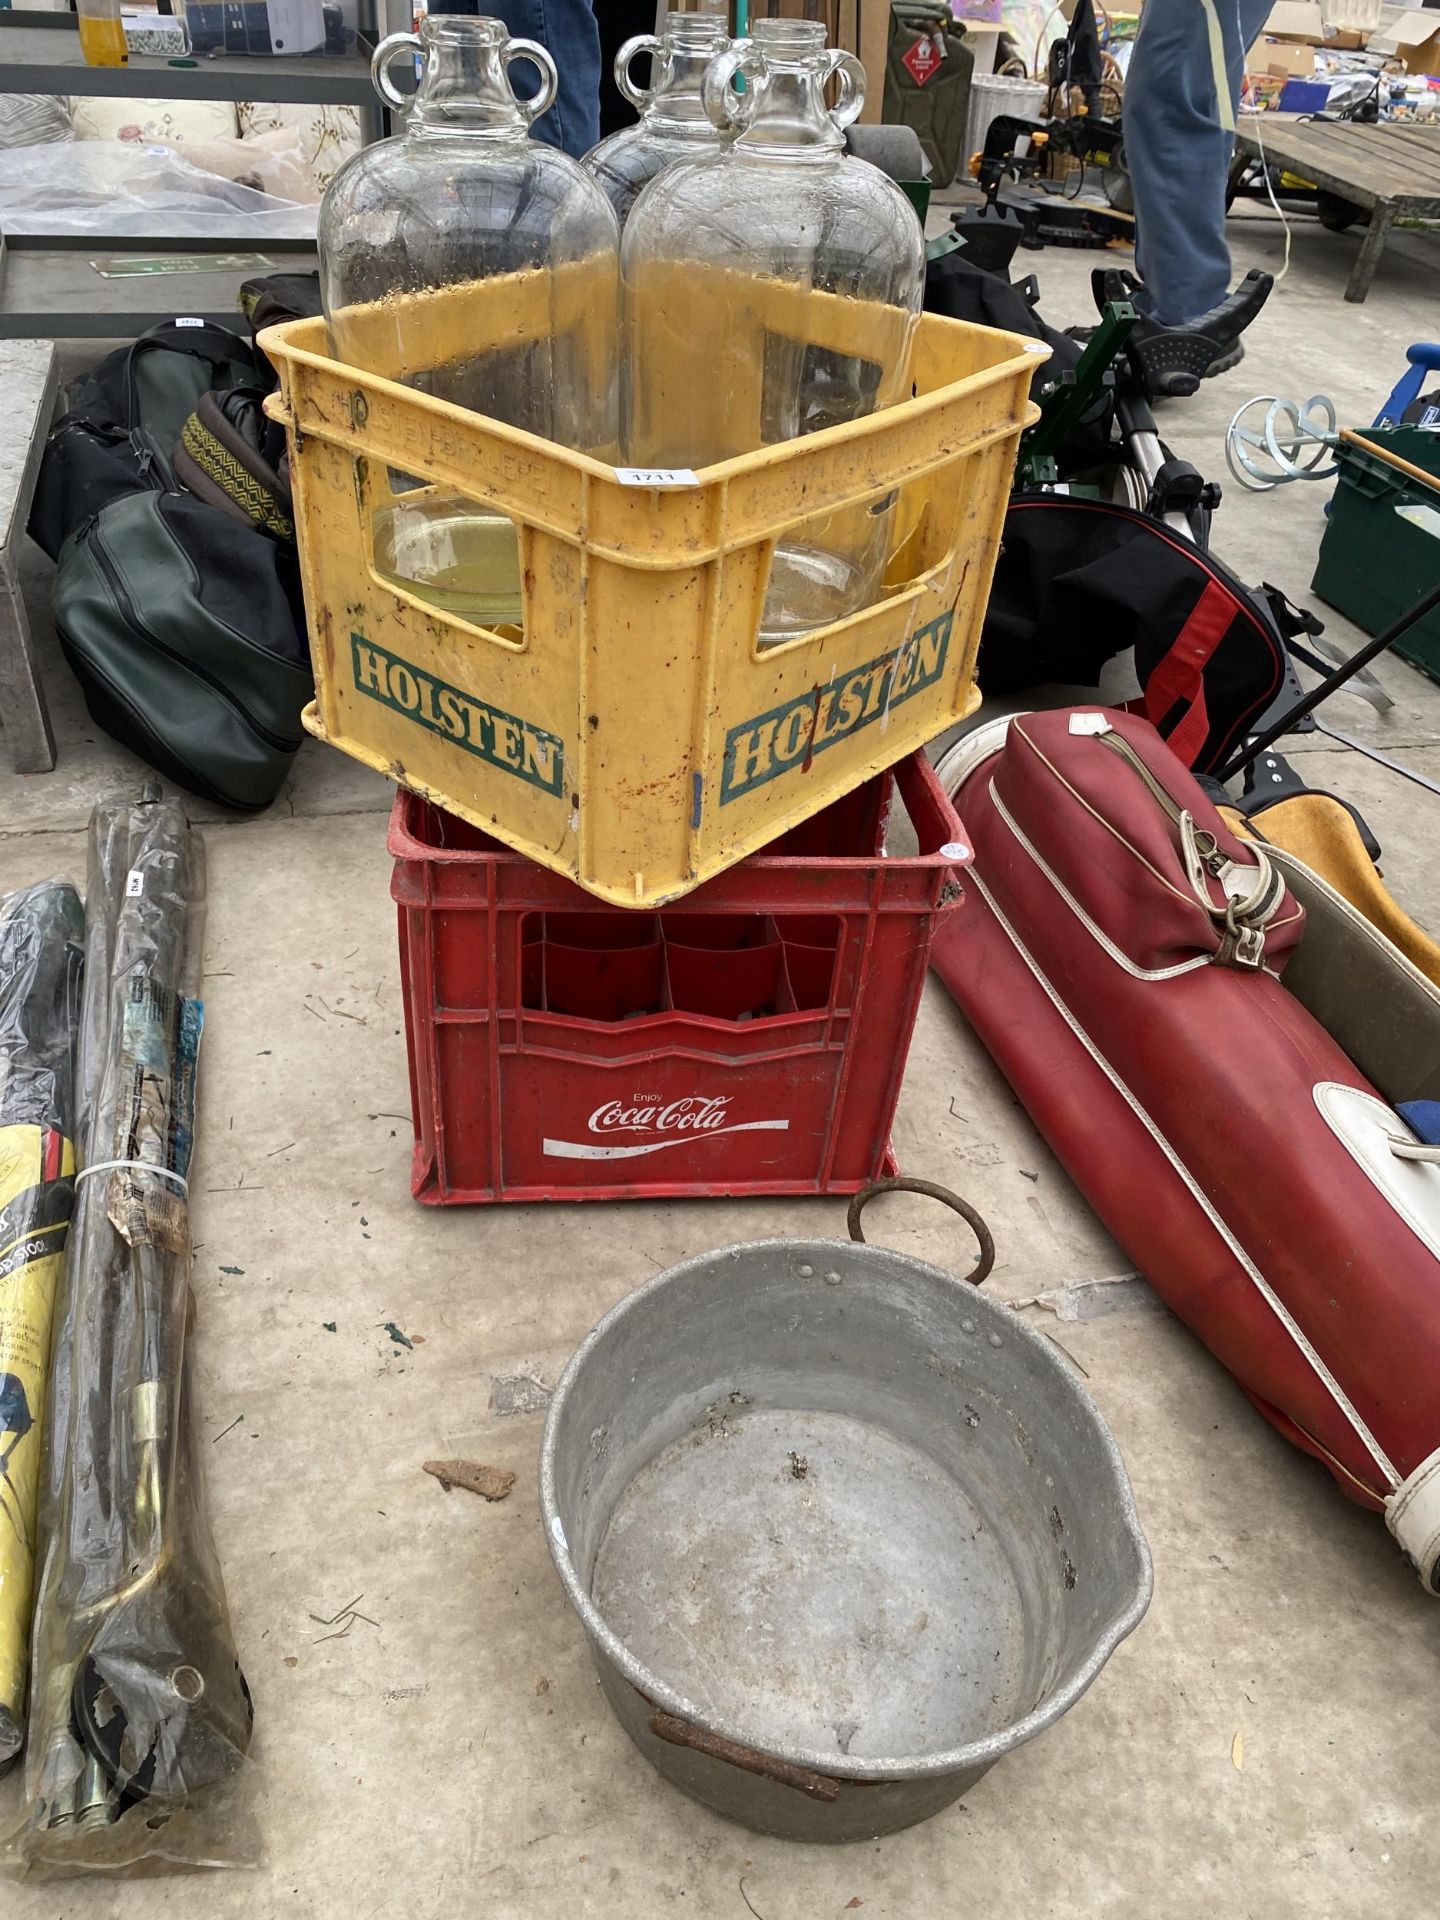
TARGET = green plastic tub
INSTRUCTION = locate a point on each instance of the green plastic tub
(1381, 548)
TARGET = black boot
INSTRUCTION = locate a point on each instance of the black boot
(1170, 362)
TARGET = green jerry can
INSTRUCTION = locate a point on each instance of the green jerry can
(928, 65)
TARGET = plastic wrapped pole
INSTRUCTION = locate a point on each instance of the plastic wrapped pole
(140, 1714)
(40, 933)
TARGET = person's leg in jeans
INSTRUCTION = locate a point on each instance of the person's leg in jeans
(567, 28)
(1178, 153)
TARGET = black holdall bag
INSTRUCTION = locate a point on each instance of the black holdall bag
(185, 630)
(958, 290)
(124, 418)
(1079, 581)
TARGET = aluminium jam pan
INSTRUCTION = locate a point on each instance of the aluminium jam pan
(841, 1531)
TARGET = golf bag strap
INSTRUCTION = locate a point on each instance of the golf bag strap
(1180, 676)
(1412, 1513)
(1291, 620)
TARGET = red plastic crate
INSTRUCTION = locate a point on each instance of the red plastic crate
(750, 1040)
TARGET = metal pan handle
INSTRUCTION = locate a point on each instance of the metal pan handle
(679, 1733)
(899, 1184)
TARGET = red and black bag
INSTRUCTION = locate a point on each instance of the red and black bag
(1080, 581)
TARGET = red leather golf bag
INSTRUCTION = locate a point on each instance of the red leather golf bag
(1123, 956)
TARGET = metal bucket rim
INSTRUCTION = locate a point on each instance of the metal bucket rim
(977, 1754)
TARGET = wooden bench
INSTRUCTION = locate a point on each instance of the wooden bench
(29, 378)
(1391, 168)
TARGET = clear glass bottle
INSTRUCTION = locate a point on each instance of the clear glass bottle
(408, 231)
(771, 289)
(102, 33)
(673, 123)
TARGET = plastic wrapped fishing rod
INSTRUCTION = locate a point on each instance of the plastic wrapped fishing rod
(41, 929)
(140, 1716)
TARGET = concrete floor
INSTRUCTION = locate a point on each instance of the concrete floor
(456, 1756)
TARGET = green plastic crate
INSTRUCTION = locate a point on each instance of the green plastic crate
(1381, 548)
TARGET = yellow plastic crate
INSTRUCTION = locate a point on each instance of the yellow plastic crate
(634, 737)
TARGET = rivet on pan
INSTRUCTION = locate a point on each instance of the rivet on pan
(187, 1683)
(996, 1341)
(832, 1279)
(806, 1273)
(967, 1326)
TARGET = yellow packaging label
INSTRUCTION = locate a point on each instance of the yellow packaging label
(37, 1167)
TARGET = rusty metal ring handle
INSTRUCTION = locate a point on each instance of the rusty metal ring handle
(899, 1184)
(679, 1733)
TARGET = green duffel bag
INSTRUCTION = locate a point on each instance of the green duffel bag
(186, 632)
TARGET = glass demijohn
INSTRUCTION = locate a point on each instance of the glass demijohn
(771, 289)
(410, 231)
(673, 123)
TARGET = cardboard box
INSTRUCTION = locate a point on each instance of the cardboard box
(984, 43)
(1413, 34)
(1296, 20)
(1293, 59)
